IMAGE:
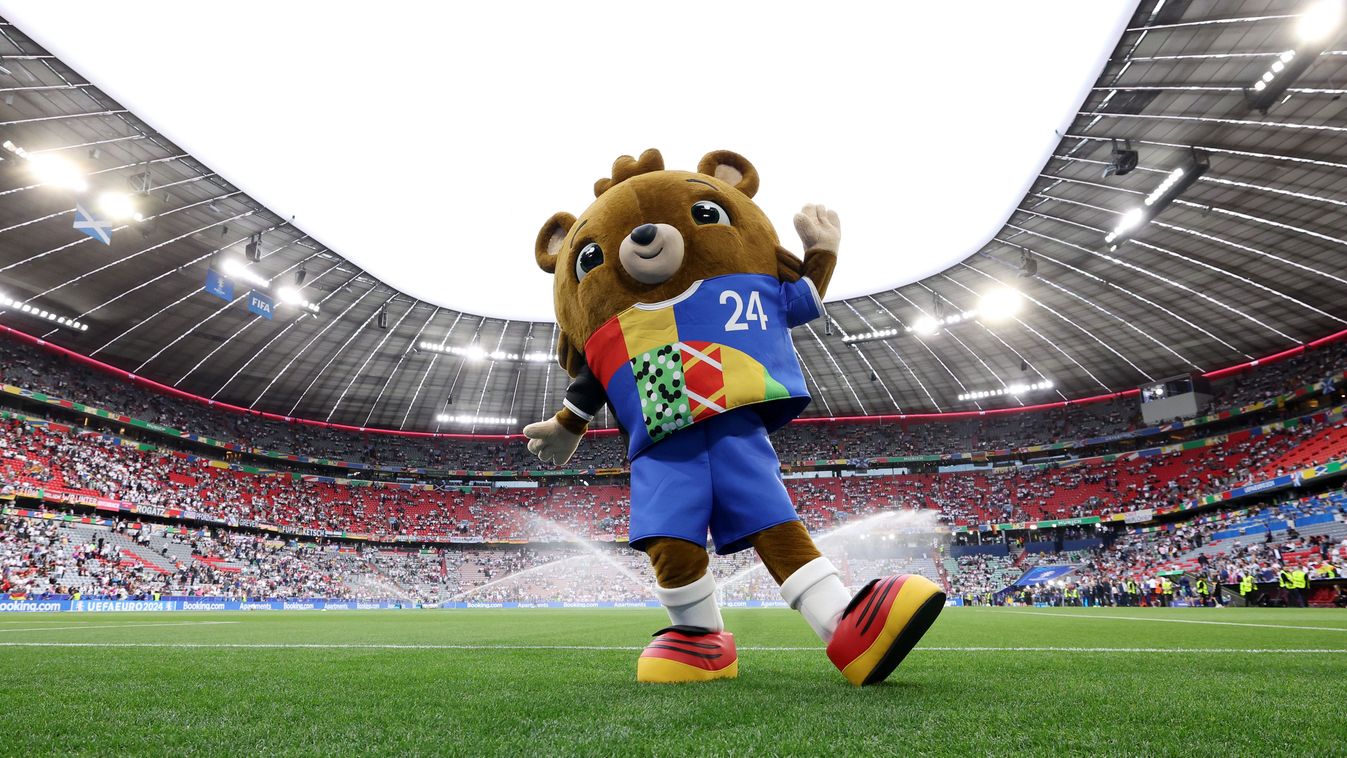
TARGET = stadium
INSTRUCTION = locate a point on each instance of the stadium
(302, 453)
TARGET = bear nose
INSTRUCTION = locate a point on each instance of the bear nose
(644, 234)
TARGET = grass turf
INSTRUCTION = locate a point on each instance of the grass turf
(231, 697)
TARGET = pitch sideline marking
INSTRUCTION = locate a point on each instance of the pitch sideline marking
(130, 625)
(624, 648)
(1182, 621)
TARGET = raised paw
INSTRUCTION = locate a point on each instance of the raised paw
(551, 442)
(819, 228)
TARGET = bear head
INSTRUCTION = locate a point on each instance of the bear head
(650, 234)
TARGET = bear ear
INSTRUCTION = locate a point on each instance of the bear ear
(731, 168)
(551, 239)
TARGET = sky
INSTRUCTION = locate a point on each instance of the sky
(428, 142)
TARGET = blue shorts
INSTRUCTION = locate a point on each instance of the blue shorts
(720, 474)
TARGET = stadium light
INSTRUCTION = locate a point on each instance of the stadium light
(477, 353)
(1000, 303)
(1011, 390)
(57, 171)
(50, 169)
(40, 313)
(445, 418)
(1319, 21)
(292, 296)
(1318, 25)
(237, 269)
(1173, 185)
(873, 334)
(118, 206)
(995, 305)
(925, 326)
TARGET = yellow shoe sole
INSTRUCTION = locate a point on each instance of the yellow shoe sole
(665, 671)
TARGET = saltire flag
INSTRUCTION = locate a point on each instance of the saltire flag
(260, 304)
(92, 225)
(219, 286)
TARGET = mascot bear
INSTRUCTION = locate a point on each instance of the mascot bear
(675, 301)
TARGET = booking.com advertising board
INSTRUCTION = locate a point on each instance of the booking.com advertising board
(37, 605)
(169, 604)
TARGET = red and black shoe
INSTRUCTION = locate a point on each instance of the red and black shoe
(881, 624)
(688, 654)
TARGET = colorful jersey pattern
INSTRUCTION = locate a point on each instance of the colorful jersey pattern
(722, 344)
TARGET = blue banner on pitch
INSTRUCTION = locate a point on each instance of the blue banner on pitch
(260, 304)
(219, 286)
(1043, 574)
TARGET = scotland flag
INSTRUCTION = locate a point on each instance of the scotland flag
(92, 225)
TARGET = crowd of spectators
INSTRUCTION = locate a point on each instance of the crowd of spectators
(1199, 548)
(129, 558)
(74, 462)
(31, 367)
(124, 558)
(135, 560)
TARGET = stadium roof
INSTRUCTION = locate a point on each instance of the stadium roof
(442, 196)
(1244, 263)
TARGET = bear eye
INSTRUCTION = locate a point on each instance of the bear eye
(706, 212)
(590, 258)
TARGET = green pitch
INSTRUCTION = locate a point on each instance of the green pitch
(1003, 681)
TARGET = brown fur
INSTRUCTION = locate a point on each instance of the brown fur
(677, 563)
(641, 191)
(784, 548)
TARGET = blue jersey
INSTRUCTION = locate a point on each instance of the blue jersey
(724, 343)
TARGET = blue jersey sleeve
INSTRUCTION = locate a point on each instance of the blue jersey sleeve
(801, 301)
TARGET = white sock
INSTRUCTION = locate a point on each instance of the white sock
(693, 604)
(817, 592)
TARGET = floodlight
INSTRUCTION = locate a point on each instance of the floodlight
(57, 171)
(237, 269)
(1320, 21)
(117, 205)
(1317, 27)
(1000, 303)
(1173, 185)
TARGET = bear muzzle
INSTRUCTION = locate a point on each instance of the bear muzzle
(652, 253)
